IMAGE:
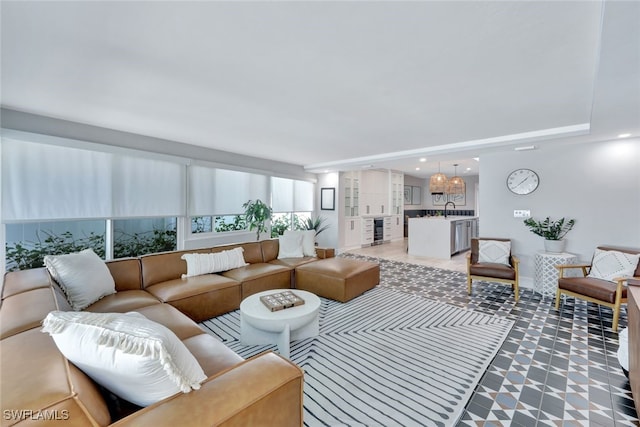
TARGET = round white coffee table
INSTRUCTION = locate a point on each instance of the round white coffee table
(259, 325)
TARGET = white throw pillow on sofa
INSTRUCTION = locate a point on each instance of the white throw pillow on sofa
(290, 246)
(610, 265)
(83, 277)
(135, 358)
(494, 251)
(199, 264)
(308, 240)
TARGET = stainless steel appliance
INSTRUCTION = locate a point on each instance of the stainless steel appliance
(378, 230)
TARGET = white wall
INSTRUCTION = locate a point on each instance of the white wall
(329, 237)
(597, 184)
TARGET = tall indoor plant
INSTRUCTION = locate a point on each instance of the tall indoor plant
(553, 232)
(257, 213)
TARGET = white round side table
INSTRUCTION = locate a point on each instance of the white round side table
(546, 274)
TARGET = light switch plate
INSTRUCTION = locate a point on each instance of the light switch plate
(521, 213)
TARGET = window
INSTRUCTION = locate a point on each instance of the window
(135, 237)
(59, 196)
(292, 203)
(28, 243)
(205, 224)
(216, 197)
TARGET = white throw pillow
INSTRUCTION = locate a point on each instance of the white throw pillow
(610, 265)
(308, 240)
(83, 277)
(494, 251)
(199, 264)
(135, 358)
(290, 246)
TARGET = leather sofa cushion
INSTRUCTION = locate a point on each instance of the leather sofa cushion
(123, 301)
(293, 262)
(254, 271)
(602, 290)
(263, 391)
(25, 310)
(176, 289)
(340, 279)
(490, 269)
(126, 273)
(270, 249)
(212, 355)
(31, 362)
(25, 280)
(172, 318)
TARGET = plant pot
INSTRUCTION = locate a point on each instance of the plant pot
(555, 246)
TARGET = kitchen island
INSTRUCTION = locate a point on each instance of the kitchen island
(440, 237)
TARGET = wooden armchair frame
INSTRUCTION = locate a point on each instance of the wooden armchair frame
(615, 306)
(513, 260)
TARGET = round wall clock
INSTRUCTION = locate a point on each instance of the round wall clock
(522, 181)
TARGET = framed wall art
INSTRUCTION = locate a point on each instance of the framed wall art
(328, 199)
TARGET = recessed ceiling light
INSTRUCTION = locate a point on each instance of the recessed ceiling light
(417, 169)
(424, 159)
(477, 159)
(526, 148)
(624, 135)
(468, 169)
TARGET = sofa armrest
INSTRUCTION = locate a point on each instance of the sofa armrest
(265, 390)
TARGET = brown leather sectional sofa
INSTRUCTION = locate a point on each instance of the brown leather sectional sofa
(38, 383)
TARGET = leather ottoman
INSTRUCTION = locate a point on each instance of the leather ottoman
(340, 279)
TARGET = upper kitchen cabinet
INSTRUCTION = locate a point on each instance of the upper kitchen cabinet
(351, 193)
(397, 193)
(375, 193)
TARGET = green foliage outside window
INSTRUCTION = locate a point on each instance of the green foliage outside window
(239, 223)
(25, 255)
(279, 225)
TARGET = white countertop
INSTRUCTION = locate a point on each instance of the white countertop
(449, 218)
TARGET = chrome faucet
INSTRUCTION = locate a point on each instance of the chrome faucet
(445, 207)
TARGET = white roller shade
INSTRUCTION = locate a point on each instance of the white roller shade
(303, 196)
(290, 195)
(42, 182)
(214, 191)
(48, 182)
(147, 187)
(282, 194)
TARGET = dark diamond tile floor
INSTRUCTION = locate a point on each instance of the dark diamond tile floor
(555, 368)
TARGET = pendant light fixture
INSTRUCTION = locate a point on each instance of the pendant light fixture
(456, 184)
(438, 182)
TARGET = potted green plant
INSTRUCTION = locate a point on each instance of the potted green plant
(257, 214)
(312, 223)
(553, 232)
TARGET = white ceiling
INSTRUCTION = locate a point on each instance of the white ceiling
(332, 85)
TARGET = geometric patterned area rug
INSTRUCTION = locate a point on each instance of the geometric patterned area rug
(386, 358)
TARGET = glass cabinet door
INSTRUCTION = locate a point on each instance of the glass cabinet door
(356, 195)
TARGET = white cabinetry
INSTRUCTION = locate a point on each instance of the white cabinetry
(397, 227)
(387, 230)
(351, 193)
(369, 194)
(375, 192)
(397, 193)
(352, 232)
(367, 231)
